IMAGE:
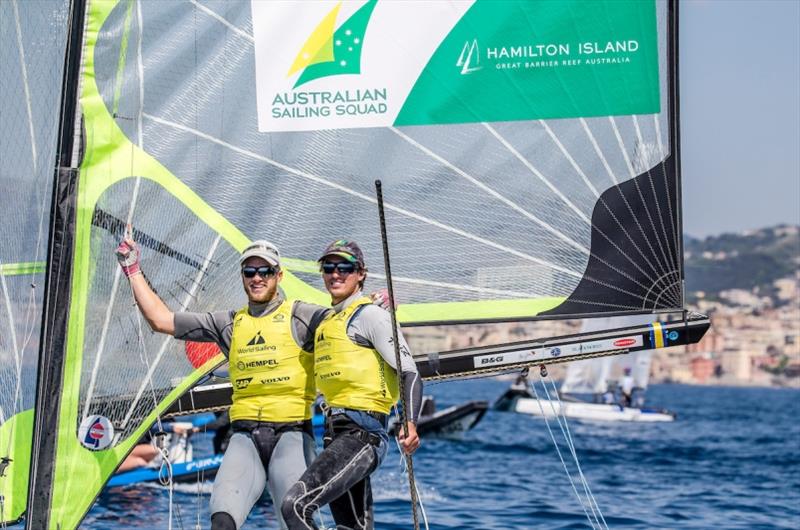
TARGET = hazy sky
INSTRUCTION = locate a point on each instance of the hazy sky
(740, 114)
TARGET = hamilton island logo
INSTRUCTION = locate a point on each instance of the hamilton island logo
(470, 59)
(333, 51)
(257, 339)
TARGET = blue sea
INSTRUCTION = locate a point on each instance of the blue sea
(731, 460)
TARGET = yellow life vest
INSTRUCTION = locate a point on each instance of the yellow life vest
(272, 376)
(349, 375)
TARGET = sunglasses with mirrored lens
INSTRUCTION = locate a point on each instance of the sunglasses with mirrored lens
(264, 272)
(342, 267)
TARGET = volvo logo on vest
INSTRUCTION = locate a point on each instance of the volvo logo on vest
(274, 380)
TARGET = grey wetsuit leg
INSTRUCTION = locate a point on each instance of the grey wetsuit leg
(293, 453)
(240, 480)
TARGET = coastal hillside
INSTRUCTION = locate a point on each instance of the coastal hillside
(751, 261)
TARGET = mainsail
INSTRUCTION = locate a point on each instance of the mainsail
(32, 40)
(528, 153)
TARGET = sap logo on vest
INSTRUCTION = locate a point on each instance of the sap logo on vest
(257, 339)
(241, 384)
(278, 318)
(274, 380)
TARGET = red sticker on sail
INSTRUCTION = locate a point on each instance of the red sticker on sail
(624, 343)
(200, 352)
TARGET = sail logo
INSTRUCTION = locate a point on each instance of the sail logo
(257, 339)
(96, 432)
(329, 50)
(470, 58)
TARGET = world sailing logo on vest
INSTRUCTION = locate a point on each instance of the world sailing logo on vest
(96, 432)
(470, 59)
(257, 339)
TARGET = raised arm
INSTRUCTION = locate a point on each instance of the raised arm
(154, 310)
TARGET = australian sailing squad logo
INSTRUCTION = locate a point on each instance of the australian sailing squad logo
(331, 51)
(96, 432)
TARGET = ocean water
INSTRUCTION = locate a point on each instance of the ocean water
(731, 460)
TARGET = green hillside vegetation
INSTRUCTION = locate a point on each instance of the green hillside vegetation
(750, 261)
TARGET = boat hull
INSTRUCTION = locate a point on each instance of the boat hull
(589, 411)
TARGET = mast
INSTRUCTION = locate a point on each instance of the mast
(57, 281)
(675, 128)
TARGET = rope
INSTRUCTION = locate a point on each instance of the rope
(403, 411)
(560, 457)
(404, 469)
(568, 437)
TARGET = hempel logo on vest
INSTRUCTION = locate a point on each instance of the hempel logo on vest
(241, 365)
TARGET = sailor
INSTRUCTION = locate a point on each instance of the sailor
(608, 395)
(626, 389)
(269, 345)
(355, 370)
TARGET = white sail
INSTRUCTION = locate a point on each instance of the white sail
(592, 376)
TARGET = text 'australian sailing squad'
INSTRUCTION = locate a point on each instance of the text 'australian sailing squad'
(354, 102)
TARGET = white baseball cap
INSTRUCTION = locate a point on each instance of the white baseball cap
(264, 250)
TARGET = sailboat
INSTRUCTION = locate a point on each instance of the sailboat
(596, 379)
(529, 154)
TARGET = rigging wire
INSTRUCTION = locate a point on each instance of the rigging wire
(404, 469)
(560, 415)
(560, 457)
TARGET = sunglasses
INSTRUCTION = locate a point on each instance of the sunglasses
(264, 272)
(342, 267)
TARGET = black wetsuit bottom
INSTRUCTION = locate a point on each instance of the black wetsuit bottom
(338, 477)
(222, 521)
